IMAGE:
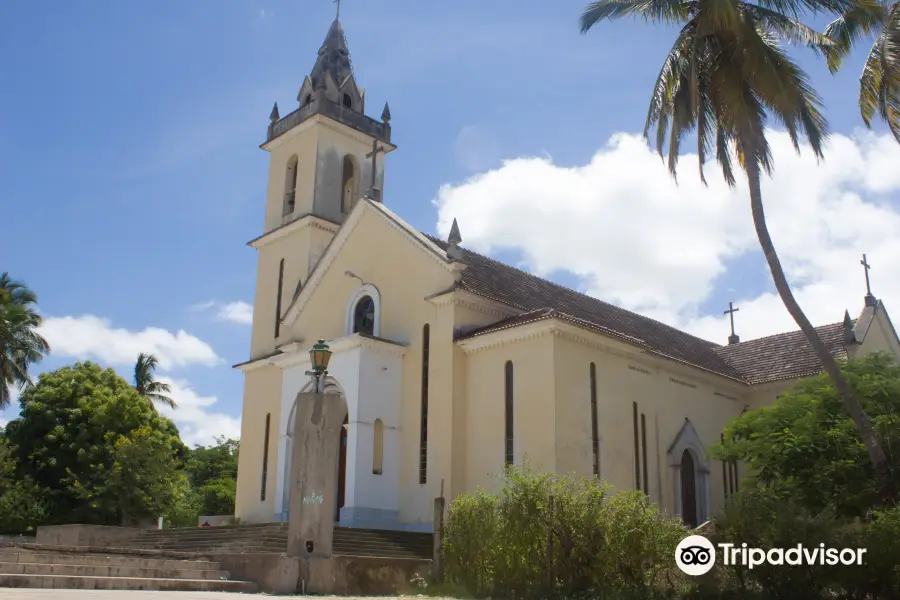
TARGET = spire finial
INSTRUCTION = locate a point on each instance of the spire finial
(337, 16)
(386, 113)
(453, 240)
(274, 115)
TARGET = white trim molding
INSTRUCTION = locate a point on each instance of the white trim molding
(366, 289)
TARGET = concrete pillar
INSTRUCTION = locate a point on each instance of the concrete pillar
(316, 446)
(437, 562)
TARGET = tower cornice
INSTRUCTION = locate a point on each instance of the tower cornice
(325, 108)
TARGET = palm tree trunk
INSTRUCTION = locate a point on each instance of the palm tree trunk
(848, 397)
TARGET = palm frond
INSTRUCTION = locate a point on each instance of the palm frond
(788, 29)
(862, 19)
(663, 11)
(797, 8)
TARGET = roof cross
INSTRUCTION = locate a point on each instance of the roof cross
(870, 299)
(732, 339)
(338, 15)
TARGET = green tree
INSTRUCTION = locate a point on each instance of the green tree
(724, 78)
(805, 448)
(879, 83)
(69, 440)
(20, 343)
(145, 383)
(212, 472)
(140, 481)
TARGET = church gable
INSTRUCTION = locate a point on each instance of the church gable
(375, 267)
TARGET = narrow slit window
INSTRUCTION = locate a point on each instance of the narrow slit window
(644, 452)
(278, 298)
(423, 426)
(637, 447)
(378, 447)
(510, 443)
(595, 435)
(265, 461)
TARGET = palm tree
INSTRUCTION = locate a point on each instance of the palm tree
(724, 77)
(879, 84)
(20, 343)
(146, 385)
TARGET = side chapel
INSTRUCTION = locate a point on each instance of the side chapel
(453, 365)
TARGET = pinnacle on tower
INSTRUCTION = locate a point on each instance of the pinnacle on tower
(274, 116)
(386, 113)
(453, 240)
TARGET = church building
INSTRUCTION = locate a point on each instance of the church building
(453, 365)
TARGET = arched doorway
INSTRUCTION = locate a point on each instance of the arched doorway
(342, 471)
(286, 454)
(688, 489)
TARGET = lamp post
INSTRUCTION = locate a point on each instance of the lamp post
(319, 355)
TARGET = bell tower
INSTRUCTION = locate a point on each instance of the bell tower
(323, 156)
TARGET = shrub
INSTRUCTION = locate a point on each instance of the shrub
(763, 519)
(559, 534)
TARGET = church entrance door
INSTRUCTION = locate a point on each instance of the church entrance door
(688, 490)
(342, 471)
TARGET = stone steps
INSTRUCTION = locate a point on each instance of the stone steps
(74, 582)
(76, 568)
(272, 538)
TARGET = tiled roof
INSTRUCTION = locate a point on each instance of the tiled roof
(492, 279)
(781, 356)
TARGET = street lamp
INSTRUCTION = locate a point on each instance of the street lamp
(319, 355)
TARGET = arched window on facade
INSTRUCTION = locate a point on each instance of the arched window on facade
(290, 186)
(510, 446)
(378, 447)
(349, 184)
(364, 316)
(265, 460)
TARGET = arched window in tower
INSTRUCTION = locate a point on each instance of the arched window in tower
(348, 101)
(348, 184)
(290, 186)
(364, 316)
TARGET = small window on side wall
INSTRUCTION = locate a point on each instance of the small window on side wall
(348, 101)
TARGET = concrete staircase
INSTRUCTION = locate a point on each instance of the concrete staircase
(272, 538)
(56, 567)
(350, 541)
(262, 537)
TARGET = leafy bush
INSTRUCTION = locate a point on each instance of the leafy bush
(22, 508)
(763, 519)
(559, 534)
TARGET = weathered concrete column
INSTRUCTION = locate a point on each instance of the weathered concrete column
(317, 424)
(437, 562)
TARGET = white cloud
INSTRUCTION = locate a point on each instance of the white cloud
(196, 423)
(233, 312)
(89, 337)
(635, 238)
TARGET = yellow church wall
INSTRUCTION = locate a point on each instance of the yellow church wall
(622, 380)
(405, 273)
(880, 337)
(533, 412)
(262, 396)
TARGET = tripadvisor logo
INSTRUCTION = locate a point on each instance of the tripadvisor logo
(696, 555)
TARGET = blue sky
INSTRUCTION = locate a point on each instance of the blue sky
(131, 178)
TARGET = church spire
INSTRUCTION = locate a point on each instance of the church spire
(333, 59)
